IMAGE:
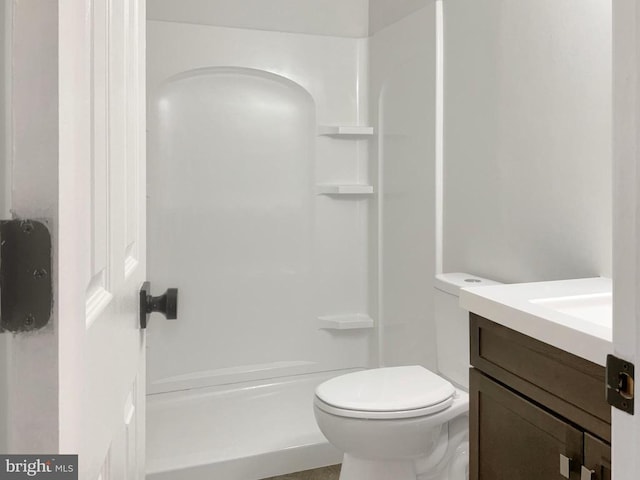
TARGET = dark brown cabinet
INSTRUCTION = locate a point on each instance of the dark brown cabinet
(597, 457)
(536, 412)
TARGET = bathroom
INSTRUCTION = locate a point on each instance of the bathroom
(312, 171)
(327, 162)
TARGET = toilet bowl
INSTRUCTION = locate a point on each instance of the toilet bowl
(407, 423)
(393, 423)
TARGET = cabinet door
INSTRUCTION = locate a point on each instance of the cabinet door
(513, 439)
(597, 457)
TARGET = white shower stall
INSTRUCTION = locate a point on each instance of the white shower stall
(292, 200)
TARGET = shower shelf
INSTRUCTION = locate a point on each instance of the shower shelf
(345, 131)
(345, 322)
(344, 189)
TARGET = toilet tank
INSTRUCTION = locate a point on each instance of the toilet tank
(452, 325)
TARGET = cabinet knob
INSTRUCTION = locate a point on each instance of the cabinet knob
(565, 466)
(586, 474)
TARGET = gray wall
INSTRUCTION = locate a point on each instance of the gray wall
(527, 153)
(383, 13)
(345, 18)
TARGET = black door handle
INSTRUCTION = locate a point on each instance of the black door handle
(167, 304)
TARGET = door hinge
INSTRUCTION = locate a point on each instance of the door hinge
(26, 292)
(620, 383)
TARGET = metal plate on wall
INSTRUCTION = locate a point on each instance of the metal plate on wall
(26, 292)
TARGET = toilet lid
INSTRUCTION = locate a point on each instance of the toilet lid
(386, 390)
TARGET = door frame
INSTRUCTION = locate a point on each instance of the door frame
(626, 222)
(49, 79)
(32, 392)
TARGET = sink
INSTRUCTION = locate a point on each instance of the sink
(595, 308)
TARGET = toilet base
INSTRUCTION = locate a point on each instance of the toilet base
(354, 468)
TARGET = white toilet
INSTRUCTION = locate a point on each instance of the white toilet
(405, 423)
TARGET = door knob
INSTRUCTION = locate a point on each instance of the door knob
(167, 304)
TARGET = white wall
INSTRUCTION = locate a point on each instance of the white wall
(4, 186)
(344, 18)
(527, 153)
(257, 254)
(402, 107)
(383, 13)
(4, 207)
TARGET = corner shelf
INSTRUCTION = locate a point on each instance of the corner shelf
(345, 131)
(329, 189)
(345, 322)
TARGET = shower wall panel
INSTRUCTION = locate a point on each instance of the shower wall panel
(234, 219)
(403, 74)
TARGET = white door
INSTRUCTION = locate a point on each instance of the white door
(626, 223)
(77, 134)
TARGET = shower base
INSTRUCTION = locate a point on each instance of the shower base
(243, 431)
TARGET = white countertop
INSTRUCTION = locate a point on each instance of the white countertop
(573, 315)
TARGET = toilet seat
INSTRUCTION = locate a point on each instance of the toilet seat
(385, 393)
(390, 415)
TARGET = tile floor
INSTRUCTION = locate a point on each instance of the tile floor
(326, 473)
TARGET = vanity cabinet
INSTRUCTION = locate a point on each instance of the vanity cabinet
(597, 457)
(536, 412)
